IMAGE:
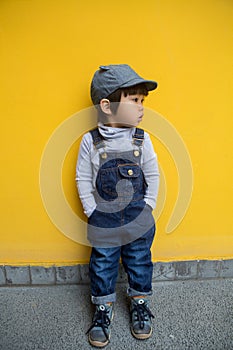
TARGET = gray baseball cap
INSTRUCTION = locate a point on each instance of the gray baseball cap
(110, 78)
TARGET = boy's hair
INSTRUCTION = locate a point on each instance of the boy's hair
(115, 98)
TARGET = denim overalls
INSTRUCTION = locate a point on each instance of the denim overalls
(122, 224)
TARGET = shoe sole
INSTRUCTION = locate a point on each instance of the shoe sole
(141, 336)
(97, 343)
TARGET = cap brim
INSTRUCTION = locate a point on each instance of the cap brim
(150, 84)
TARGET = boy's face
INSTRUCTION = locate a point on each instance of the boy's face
(129, 112)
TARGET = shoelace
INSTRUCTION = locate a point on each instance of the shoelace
(142, 314)
(101, 319)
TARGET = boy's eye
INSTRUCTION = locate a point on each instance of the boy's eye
(136, 99)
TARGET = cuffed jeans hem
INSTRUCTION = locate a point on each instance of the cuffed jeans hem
(133, 293)
(111, 298)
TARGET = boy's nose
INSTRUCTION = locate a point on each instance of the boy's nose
(141, 107)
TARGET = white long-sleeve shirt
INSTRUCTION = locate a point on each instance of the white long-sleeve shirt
(116, 140)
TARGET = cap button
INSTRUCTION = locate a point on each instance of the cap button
(130, 172)
(104, 67)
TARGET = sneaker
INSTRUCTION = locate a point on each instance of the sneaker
(99, 332)
(141, 315)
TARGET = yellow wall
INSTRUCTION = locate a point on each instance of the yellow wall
(49, 52)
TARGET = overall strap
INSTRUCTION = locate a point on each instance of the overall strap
(97, 138)
(138, 137)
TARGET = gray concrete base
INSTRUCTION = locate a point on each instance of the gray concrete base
(189, 315)
(78, 274)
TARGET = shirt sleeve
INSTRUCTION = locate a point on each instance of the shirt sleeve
(151, 172)
(84, 180)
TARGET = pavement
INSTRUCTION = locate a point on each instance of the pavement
(188, 315)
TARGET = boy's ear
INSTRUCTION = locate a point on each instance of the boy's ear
(105, 106)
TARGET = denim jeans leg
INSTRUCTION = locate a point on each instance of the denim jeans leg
(103, 269)
(136, 259)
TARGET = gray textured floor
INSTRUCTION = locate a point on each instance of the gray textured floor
(188, 315)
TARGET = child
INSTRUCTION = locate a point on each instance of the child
(117, 178)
